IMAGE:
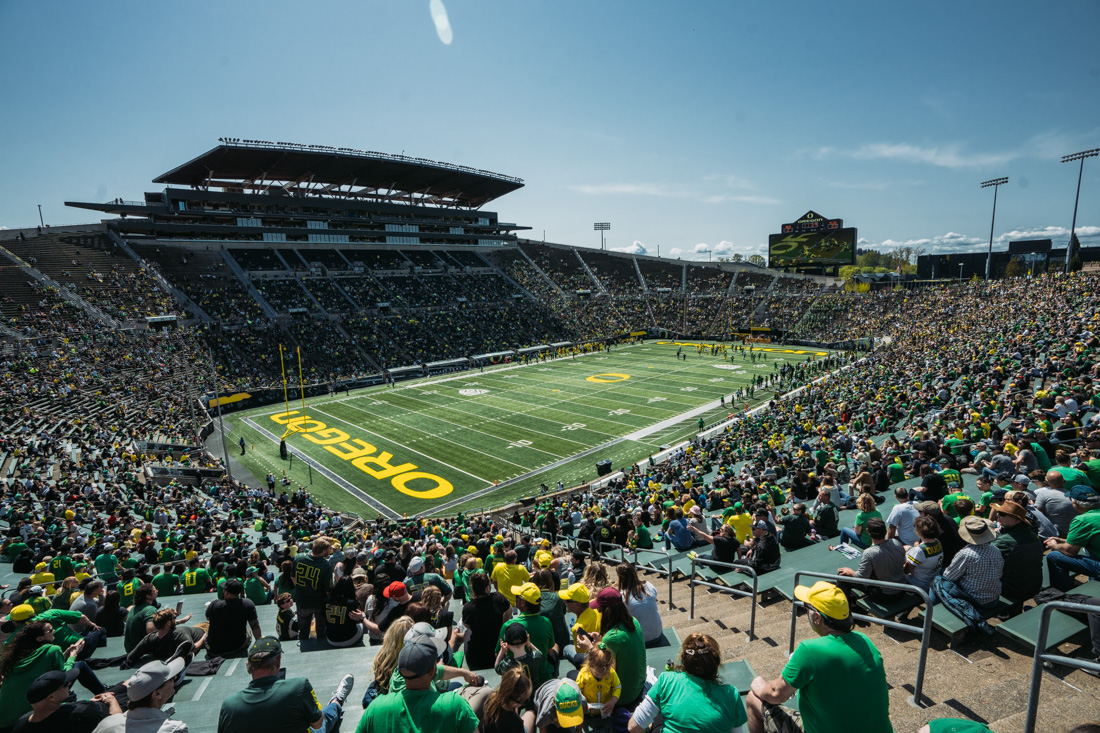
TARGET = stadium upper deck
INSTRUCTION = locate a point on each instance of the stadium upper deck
(279, 192)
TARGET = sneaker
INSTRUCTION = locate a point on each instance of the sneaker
(343, 690)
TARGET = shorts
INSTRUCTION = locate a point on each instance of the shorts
(778, 719)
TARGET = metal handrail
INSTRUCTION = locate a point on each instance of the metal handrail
(667, 572)
(692, 582)
(925, 632)
(1041, 656)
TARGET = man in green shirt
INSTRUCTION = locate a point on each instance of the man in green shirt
(419, 707)
(279, 705)
(196, 579)
(539, 629)
(167, 583)
(127, 587)
(106, 566)
(827, 673)
(62, 565)
(1065, 561)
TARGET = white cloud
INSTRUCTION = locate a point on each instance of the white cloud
(945, 156)
(676, 251)
(688, 192)
(956, 242)
(635, 249)
(723, 198)
(631, 189)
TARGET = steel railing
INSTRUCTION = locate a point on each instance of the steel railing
(926, 631)
(1041, 656)
(692, 582)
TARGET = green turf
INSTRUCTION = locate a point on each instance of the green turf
(475, 429)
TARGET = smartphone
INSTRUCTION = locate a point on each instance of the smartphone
(179, 607)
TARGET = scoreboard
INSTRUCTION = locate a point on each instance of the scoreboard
(814, 244)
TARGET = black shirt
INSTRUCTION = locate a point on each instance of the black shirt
(340, 626)
(725, 549)
(229, 622)
(81, 717)
(483, 617)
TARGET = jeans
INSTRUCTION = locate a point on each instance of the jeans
(88, 679)
(573, 656)
(305, 619)
(1063, 567)
(332, 714)
(847, 534)
(959, 603)
(92, 641)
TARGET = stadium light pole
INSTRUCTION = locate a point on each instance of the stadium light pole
(44, 223)
(751, 290)
(960, 273)
(601, 227)
(995, 183)
(1073, 227)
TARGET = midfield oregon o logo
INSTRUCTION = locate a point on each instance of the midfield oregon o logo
(609, 377)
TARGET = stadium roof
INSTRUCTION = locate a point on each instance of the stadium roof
(336, 172)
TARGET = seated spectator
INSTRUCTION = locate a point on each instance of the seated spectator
(147, 691)
(560, 703)
(691, 697)
(139, 622)
(641, 600)
(828, 673)
(552, 606)
(506, 575)
(1065, 561)
(883, 560)
(50, 710)
(517, 652)
(271, 703)
(726, 547)
(112, 617)
(577, 599)
(167, 639)
(1022, 551)
(528, 600)
(599, 683)
(502, 708)
(796, 528)
(925, 560)
(621, 634)
(230, 619)
(826, 515)
(385, 662)
(971, 584)
(762, 552)
(900, 521)
(858, 535)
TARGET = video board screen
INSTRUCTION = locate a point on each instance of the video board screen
(812, 249)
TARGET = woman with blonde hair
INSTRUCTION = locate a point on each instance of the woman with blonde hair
(65, 593)
(595, 578)
(431, 598)
(386, 660)
(502, 708)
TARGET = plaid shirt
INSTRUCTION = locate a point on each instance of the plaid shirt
(978, 569)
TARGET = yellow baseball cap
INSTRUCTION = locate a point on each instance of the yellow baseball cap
(578, 593)
(545, 559)
(824, 597)
(472, 550)
(545, 542)
(22, 612)
(528, 592)
(40, 567)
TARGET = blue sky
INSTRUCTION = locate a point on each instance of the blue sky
(688, 126)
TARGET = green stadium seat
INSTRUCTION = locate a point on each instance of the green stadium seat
(954, 627)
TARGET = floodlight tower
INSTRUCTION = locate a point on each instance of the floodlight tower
(995, 183)
(601, 227)
(1073, 227)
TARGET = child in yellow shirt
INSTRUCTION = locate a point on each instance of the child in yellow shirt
(598, 682)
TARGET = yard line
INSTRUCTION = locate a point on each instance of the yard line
(330, 474)
(480, 417)
(433, 436)
(414, 450)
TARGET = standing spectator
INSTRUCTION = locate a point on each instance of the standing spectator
(1065, 561)
(483, 616)
(312, 581)
(828, 673)
(230, 619)
(691, 699)
(275, 705)
(972, 582)
(509, 574)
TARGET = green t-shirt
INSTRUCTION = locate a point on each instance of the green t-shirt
(861, 521)
(166, 583)
(135, 629)
(61, 567)
(271, 704)
(106, 564)
(1041, 456)
(829, 673)
(629, 651)
(541, 632)
(254, 591)
(196, 581)
(897, 473)
(312, 580)
(126, 589)
(643, 538)
(1073, 477)
(692, 705)
(1084, 531)
(957, 725)
(63, 636)
(15, 548)
(418, 711)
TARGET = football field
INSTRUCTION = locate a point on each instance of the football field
(477, 439)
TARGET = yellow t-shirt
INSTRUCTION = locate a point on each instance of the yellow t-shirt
(508, 576)
(597, 691)
(46, 580)
(742, 525)
(588, 621)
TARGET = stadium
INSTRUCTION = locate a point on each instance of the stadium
(290, 352)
